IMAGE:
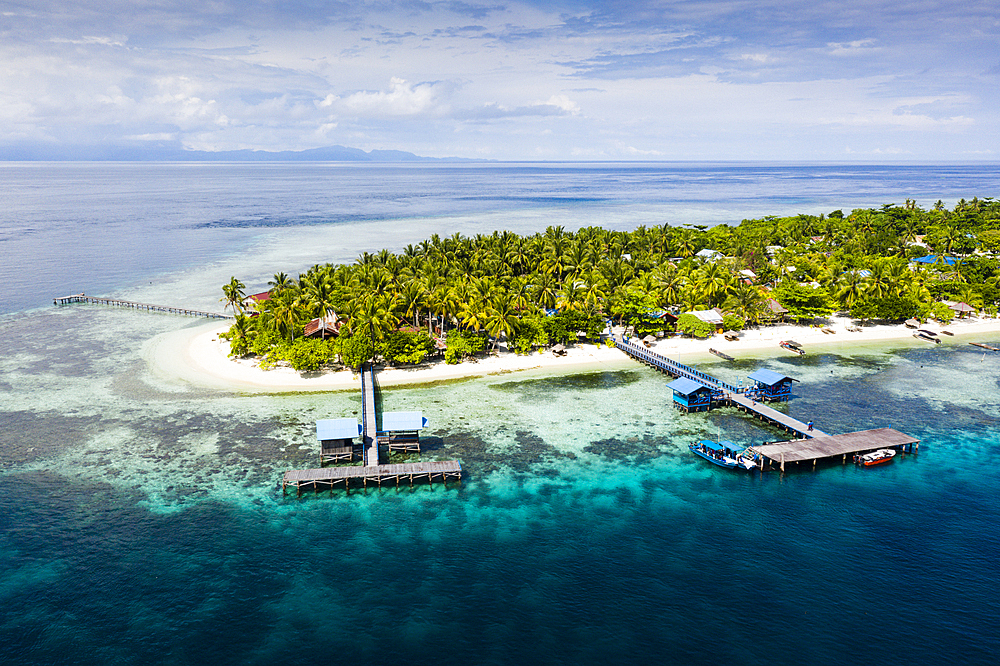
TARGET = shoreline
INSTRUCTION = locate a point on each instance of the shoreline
(197, 356)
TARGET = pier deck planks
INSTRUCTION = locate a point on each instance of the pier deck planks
(377, 473)
(149, 307)
(775, 416)
(828, 446)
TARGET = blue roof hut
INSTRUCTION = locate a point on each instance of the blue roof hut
(401, 430)
(771, 385)
(690, 396)
(336, 439)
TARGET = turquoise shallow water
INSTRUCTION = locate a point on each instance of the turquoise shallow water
(141, 520)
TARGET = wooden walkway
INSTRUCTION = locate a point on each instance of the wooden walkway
(639, 352)
(82, 298)
(329, 477)
(831, 446)
(369, 434)
(773, 416)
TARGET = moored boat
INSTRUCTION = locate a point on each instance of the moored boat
(724, 454)
(875, 457)
(929, 338)
(792, 346)
(721, 354)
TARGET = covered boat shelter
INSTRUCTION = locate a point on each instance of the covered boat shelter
(691, 396)
(401, 430)
(336, 438)
(772, 386)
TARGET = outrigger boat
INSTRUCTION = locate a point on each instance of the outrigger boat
(875, 457)
(724, 454)
(792, 346)
(929, 338)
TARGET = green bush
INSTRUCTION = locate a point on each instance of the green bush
(731, 322)
(407, 347)
(305, 354)
(462, 344)
(688, 324)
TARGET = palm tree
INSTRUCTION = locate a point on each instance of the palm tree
(280, 281)
(501, 318)
(233, 296)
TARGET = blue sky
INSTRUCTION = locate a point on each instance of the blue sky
(855, 80)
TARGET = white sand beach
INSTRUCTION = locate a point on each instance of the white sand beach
(198, 357)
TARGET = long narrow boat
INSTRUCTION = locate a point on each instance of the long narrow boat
(980, 344)
(724, 454)
(929, 338)
(721, 354)
(792, 346)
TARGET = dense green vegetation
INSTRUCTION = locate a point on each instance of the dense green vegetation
(475, 291)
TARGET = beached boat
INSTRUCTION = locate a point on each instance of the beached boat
(724, 454)
(792, 346)
(875, 457)
(829, 331)
(721, 354)
(911, 323)
(929, 338)
(947, 333)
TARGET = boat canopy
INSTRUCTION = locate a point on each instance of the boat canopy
(712, 446)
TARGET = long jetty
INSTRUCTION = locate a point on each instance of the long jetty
(369, 434)
(133, 305)
(811, 444)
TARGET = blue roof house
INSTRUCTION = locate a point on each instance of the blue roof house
(771, 385)
(690, 396)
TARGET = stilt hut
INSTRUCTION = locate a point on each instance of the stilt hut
(690, 396)
(401, 430)
(772, 386)
(336, 438)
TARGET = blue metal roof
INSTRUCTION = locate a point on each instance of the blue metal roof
(337, 429)
(931, 258)
(685, 386)
(768, 377)
(402, 421)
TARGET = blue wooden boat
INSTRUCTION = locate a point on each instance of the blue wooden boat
(724, 454)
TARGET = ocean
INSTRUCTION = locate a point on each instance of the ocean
(142, 519)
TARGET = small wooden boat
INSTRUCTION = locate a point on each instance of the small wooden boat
(911, 323)
(829, 331)
(947, 333)
(792, 346)
(721, 354)
(928, 338)
(724, 454)
(875, 457)
(926, 332)
(979, 344)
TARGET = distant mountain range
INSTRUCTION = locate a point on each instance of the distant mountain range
(172, 153)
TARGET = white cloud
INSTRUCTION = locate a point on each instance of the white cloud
(402, 99)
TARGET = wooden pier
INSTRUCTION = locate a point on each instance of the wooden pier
(773, 416)
(337, 436)
(369, 434)
(832, 446)
(133, 305)
(330, 477)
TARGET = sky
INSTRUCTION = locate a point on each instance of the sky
(813, 80)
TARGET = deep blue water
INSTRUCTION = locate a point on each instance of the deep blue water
(142, 521)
